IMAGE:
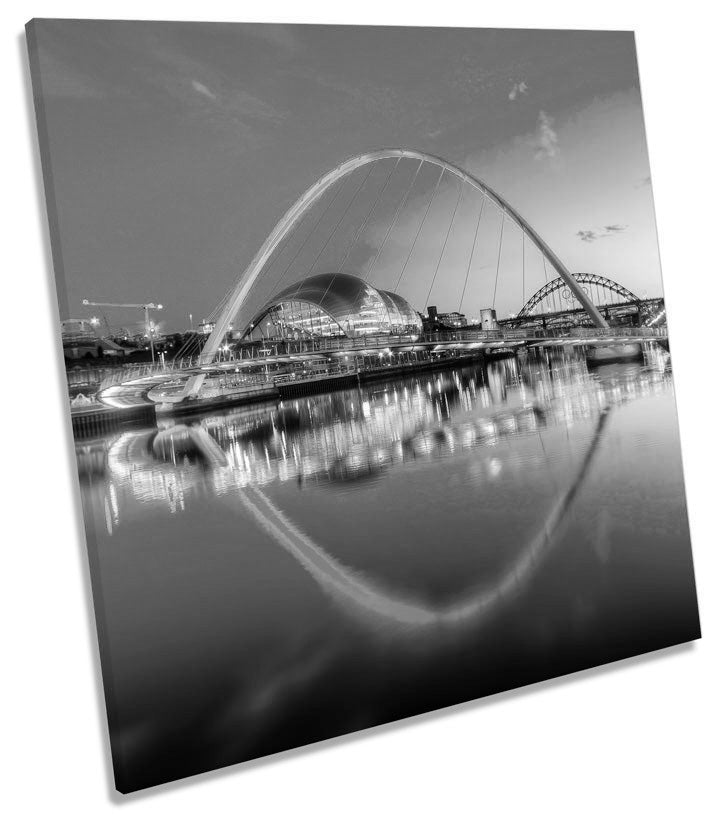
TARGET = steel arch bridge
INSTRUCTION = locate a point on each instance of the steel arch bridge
(587, 281)
(238, 294)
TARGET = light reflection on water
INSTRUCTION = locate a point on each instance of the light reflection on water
(459, 532)
(351, 435)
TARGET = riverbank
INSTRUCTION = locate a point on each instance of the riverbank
(286, 389)
(97, 419)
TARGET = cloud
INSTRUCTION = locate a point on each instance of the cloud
(517, 89)
(546, 139)
(435, 133)
(238, 106)
(587, 235)
(592, 235)
(203, 89)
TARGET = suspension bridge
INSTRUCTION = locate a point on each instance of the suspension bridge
(348, 271)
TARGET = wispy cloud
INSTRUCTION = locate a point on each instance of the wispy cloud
(435, 133)
(593, 234)
(546, 138)
(517, 89)
(201, 88)
(587, 235)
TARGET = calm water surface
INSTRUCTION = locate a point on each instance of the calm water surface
(273, 576)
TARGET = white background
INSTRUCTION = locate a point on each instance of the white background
(639, 738)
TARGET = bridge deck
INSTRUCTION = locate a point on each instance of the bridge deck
(161, 383)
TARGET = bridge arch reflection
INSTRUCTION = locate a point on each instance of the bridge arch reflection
(233, 457)
(357, 590)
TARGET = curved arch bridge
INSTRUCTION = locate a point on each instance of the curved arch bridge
(330, 186)
(554, 305)
(432, 230)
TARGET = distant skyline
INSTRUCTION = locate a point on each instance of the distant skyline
(175, 147)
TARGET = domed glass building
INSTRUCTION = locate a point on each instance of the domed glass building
(334, 304)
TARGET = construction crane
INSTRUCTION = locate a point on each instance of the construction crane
(146, 308)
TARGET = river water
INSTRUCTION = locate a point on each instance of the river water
(272, 576)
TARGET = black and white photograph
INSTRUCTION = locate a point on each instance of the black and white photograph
(368, 371)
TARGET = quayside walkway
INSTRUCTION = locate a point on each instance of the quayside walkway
(258, 371)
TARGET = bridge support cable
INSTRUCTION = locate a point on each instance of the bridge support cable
(368, 216)
(330, 203)
(333, 232)
(444, 245)
(497, 269)
(523, 267)
(279, 250)
(398, 210)
(366, 222)
(472, 253)
(420, 227)
(220, 304)
(357, 233)
(546, 283)
(542, 255)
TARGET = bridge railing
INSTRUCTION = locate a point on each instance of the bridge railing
(132, 372)
(369, 345)
(619, 332)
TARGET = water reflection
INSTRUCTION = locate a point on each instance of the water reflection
(276, 575)
(357, 590)
(360, 434)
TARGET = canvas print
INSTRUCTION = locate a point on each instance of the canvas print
(368, 369)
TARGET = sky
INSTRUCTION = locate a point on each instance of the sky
(174, 148)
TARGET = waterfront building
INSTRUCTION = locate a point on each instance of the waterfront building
(453, 319)
(488, 319)
(333, 304)
(437, 321)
